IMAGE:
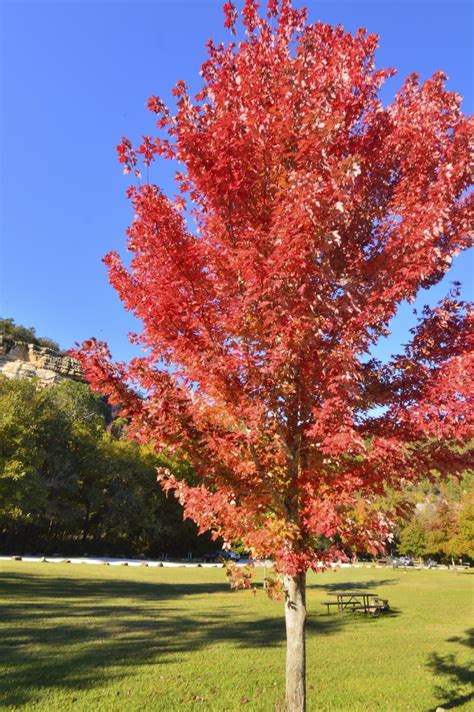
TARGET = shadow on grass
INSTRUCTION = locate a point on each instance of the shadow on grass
(80, 633)
(353, 586)
(457, 688)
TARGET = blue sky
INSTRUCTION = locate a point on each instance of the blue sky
(76, 76)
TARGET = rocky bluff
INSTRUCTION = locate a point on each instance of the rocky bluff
(22, 360)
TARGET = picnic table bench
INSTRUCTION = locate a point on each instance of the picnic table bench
(353, 601)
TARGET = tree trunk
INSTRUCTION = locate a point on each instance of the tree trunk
(295, 619)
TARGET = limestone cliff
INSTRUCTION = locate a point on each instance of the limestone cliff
(21, 360)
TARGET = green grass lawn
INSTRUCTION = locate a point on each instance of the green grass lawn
(80, 637)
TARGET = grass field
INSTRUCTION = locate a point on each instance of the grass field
(79, 637)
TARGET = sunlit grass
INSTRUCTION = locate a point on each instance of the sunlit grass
(79, 637)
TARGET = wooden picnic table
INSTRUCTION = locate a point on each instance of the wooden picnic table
(357, 601)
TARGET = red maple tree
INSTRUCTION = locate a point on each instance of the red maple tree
(316, 212)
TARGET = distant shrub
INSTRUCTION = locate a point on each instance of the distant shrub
(18, 332)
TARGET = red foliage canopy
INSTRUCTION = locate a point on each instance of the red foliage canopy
(316, 212)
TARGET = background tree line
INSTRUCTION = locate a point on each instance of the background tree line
(26, 334)
(71, 482)
(442, 524)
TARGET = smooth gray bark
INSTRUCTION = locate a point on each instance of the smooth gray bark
(295, 619)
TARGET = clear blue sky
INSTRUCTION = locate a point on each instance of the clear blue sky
(76, 76)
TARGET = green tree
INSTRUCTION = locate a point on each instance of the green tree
(413, 538)
(461, 544)
(70, 480)
(25, 334)
(22, 453)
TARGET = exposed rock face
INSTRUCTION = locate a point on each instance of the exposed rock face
(21, 360)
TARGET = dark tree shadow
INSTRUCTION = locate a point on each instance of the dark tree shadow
(353, 586)
(457, 678)
(468, 640)
(80, 633)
